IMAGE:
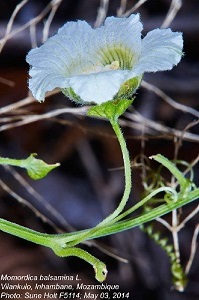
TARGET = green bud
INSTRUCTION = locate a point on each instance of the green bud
(37, 168)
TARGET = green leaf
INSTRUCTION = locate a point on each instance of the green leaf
(37, 168)
(111, 109)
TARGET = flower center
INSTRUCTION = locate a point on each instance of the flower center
(120, 54)
(101, 68)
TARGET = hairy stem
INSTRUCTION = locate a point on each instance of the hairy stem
(49, 240)
(98, 265)
(127, 175)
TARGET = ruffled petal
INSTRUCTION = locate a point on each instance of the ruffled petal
(63, 48)
(96, 62)
(122, 31)
(161, 50)
(60, 57)
(118, 37)
(98, 87)
(42, 82)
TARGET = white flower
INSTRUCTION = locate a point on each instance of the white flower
(91, 65)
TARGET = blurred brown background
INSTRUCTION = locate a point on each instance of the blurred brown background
(86, 187)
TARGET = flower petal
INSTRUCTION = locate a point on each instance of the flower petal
(42, 82)
(161, 50)
(118, 33)
(61, 56)
(98, 87)
(94, 63)
(121, 31)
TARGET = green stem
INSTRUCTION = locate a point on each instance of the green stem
(98, 265)
(147, 198)
(25, 233)
(59, 242)
(11, 162)
(47, 240)
(149, 216)
(128, 184)
(127, 175)
(133, 222)
(50, 240)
